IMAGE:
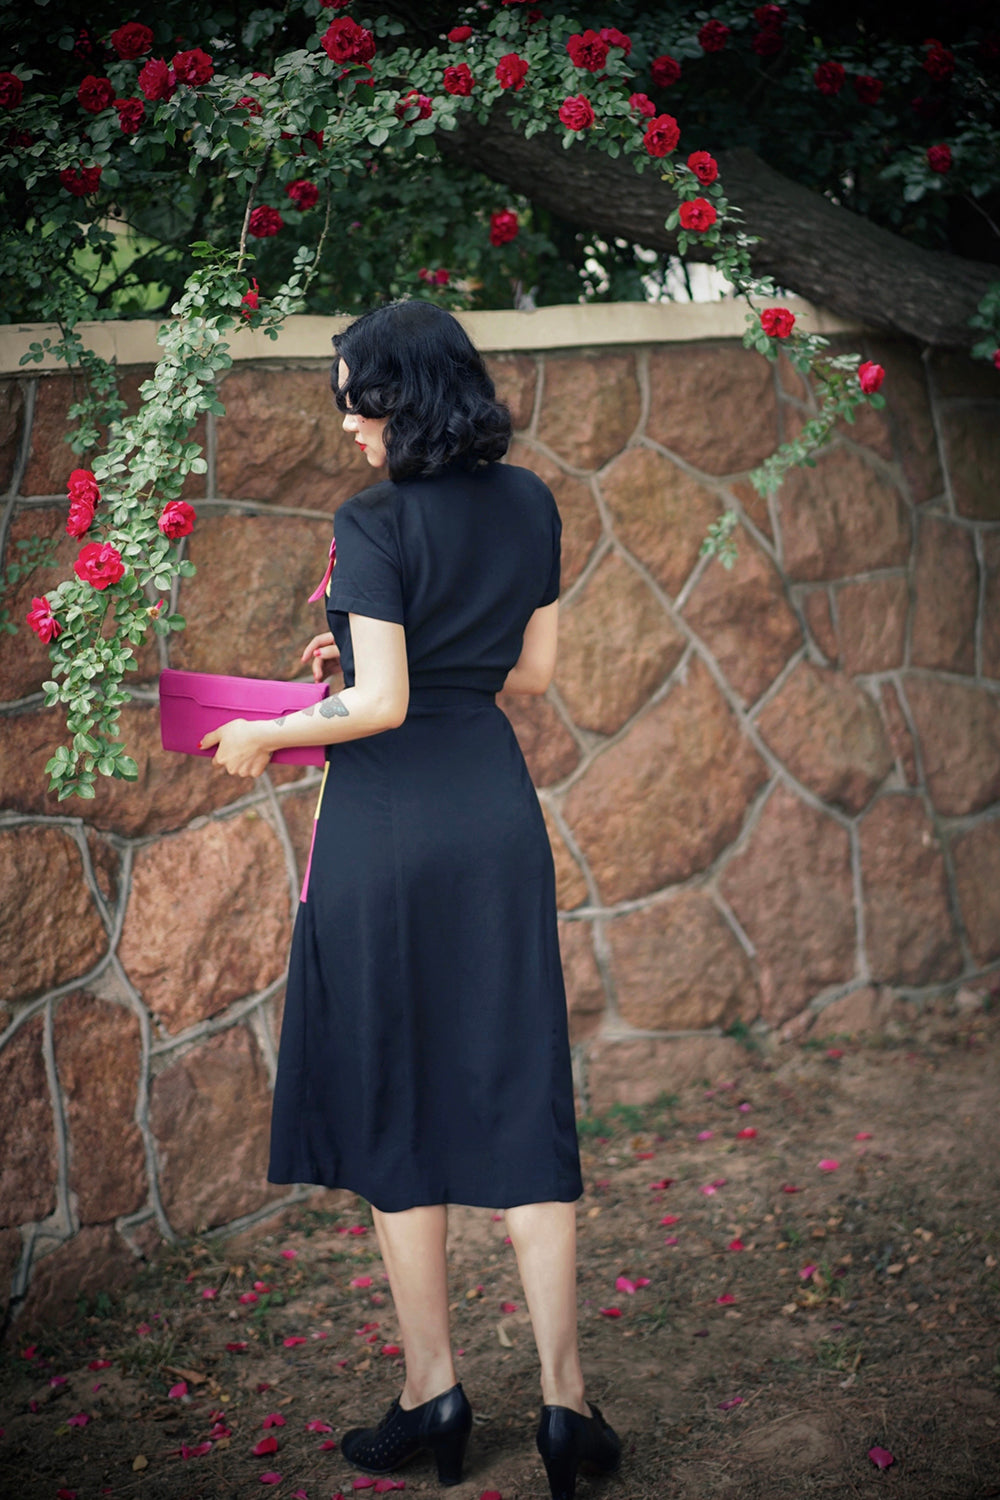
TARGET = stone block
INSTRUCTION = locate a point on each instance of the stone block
(840, 518)
(616, 645)
(94, 1260)
(51, 460)
(946, 584)
(105, 862)
(282, 440)
(11, 424)
(755, 506)
(638, 1070)
(976, 856)
(791, 889)
(515, 377)
(590, 407)
(571, 887)
(11, 1250)
(247, 608)
(666, 799)
(909, 408)
(743, 616)
(660, 513)
(899, 734)
(819, 617)
(678, 966)
(959, 732)
(216, 1093)
(957, 375)
(861, 1013)
(909, 934)
(207, 920)
(581, 521)
(714, 405)
(971, 434)
(547, 745)
(871, 615)
(585, 995)
(828, 732)
(171, 789)
(991, 605)
(27, 1132)
(98, 1055)
(50, 930)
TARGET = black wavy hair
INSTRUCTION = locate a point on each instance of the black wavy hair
(415, 364)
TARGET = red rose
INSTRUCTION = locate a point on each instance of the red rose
(441, 276)
(713, 36)
(704, 167)
(926, 109)
(80, 516)
(251, 105)
(769, 17)
(768, 43)
(868, 89)
(643, 105)
(616, 38)
(511, 71)
(157, 81)
(576, 113)
(996, 359)
(344, 41)
(414, 100)
(458, 79)
(11, 91)
(95, 94)
(870, 376)
(18, 140)
(939, 158)
(193, 68)
(81, 485)
(588, 50)
(316, 136)
(250, 301)
(777, 322)
(80, 182)
(662, 135)
(503, 227)
(131, 113)
(177, 519)
(304, 195)
(939, 62)
(132, 40)
(665, 70)
(42, 621)
(829, 77)
(697, 214)
(99, 564)
(265, 222)
(459, 33)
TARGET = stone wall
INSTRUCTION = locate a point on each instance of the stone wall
(773, 793)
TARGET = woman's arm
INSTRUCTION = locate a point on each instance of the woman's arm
(378, 701)
(533, 670)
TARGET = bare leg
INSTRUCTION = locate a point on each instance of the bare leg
(544, 1239)
(413, 1251)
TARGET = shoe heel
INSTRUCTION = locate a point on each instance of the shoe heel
(449, 1452)
(561, 1471)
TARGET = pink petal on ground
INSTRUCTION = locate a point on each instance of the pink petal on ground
(624, 1285)
(57, 1380)
(342, 1362)
(80, 1419)
(294, 1339)
(746, 1134)
(198, 1451)
(29, 1351)
(733, 1401)
(236, 1348)
(246, 1297)
(672, 1240)
(736, 1245)
(828, 1164)
(610, 1312)
(863, 1135)
(142, 1329)
(381, 1485)
(725, 1299)
(321, 1335)
(273, 1419)
(491, 1495)
(507, 1240)
(360, 1281)
(99, 1364)
(641, 1281)
(390, 1349)
(786, 1187)
(644, 1155)
(220, 1430)
(744, 1108)
(299, 1495)
(881, 1457)
(270, 1478)
(835, 1053)
(705, 1135)
(357, 1229)
(210, 1292)
(807, 1272)
(98, 1385)
(178, 1390)
(459, 1352)
(662, 1185)
(372, 1338)
(363, 1483)
(377, 1298)
(328, 1443)
(508, 1307)
(709, 1190)
(266, 1445)
(262, 1386)
(289, 1254)
(65, 1494)
(670, 1219)
(317, 1426)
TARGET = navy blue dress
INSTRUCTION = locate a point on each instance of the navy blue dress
(424, 1052)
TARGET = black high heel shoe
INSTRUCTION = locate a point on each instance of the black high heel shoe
(442, 1424)
(568, 1441)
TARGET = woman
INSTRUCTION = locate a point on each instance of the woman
(424, 1055)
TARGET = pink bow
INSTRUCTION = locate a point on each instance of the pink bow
(321, 590)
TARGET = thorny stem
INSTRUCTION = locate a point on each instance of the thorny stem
(249, 208)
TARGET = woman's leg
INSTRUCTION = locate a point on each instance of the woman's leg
(544, 1239)
(412, 1243)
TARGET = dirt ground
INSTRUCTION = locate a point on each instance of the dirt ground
(777, 1329)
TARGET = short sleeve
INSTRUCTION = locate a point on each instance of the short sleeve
(551, 593)
(366, 577)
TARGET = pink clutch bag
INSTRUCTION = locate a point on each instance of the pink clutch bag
(192, 703)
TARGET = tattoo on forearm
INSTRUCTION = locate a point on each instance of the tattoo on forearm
(281, 720)
(333, 707)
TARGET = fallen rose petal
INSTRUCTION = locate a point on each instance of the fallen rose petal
(299, 1495)
(641, 1281)
(289, 1254)
(624, 1285)
(881, 1457)
(508, 1307)
(270, 1478)
(317, 1426)
(736, 1245)
(363, 1483)
(709, 1190)
(97, 1386)
(273, 1419)
(220, 1430)
(293, 1339)
(57, 1380)
(29, 1351)
(786, 1187)
(835, 1053)
(262, 1386)
(236, 1348)
(360, 1281)
(733, 1401)
(177, 1391)
(357, 1229)
(610, 1312)
(265, 1446)
(99, 1364)
(644, 1155)
(198, 1451)
(828, 1164)
(65, 1494)
(80, 1419)
(390, 1349)
(746, 1134)
(246, 1297)
(381, 1485)
(725, 1299)
(705, 1135)
(210, 1292)
(863, 1135)
(673, 1240)
(670, 1219)
(807, 1272)
(491, 1495)
(330, 1442)
(744, 1108)
(662, 1185)
(262, 1286)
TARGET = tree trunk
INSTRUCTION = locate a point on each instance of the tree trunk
(809, 245)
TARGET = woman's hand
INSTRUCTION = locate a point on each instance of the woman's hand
(323, 654)
(240, 751)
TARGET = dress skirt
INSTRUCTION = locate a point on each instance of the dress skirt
(424, 1052)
